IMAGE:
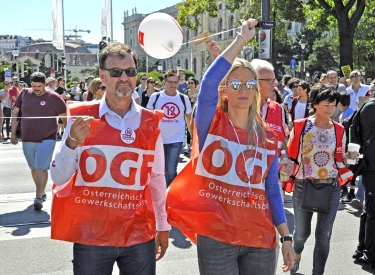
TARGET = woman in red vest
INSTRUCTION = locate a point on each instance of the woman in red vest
(227, 199)
(316, 146)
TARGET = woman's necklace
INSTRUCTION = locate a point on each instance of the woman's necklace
(251, 196)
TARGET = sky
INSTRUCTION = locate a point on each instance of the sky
(80, 14)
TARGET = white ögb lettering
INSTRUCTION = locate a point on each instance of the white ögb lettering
(114, 166)
(275, 127)
(222, 166)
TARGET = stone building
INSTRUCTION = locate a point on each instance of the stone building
(194, 59)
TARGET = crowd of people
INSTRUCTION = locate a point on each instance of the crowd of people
(120, 147)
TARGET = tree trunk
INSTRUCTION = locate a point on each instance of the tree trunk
(346, 34)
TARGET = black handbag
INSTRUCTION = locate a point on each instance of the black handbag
(315, 197)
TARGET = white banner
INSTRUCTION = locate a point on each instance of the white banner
(107, 18)
(57, 18)
(264, 44)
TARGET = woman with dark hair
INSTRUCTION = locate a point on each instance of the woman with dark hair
(234, 233)
(300, 103)
(317, 146)
(192, 93)
(276, 96)
(150, 89)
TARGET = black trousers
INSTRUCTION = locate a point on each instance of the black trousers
(366, 236)
(7, 113)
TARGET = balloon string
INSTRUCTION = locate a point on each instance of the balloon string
(39, 117)
(200, 38)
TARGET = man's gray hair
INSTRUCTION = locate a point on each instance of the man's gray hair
(260, 65)
(332, 72)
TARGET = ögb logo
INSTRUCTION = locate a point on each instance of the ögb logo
(171, 110)
(42, 103)
(127, 136)
(105, 166)
(223, 160)
(262, 36)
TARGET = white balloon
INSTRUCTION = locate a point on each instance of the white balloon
(160, 35)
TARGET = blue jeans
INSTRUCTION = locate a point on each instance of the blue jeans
(323, 230)
(39, 154)
(99, 260)
(360, 195)
(218, 258)
(171, 154)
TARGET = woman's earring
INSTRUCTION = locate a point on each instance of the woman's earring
(224, 98)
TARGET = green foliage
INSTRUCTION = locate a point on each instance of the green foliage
(155, 74)
(189, 74)
(75, 78)
(94, 72)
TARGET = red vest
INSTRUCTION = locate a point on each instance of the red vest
(210, 196)
(274, 119)
(294, 152)
(107, 201)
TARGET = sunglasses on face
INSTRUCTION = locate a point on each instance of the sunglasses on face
(172, 82)
(295, 87)
(151, 82)
(115, 72)
(191, 82)
(236, 84)
(143, 78)
(103, 88)
(269, 80)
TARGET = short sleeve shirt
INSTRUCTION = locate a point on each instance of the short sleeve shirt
(39, 129)
(172, 126)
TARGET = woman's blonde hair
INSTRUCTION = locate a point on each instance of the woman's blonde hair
(95, 85)
(254, 121)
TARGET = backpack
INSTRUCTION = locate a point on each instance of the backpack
(353, 132)
(181, 96)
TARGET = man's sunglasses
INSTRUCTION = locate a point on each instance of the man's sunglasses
(236, 84)
(172, 82)
(115, 72)
(151, 82)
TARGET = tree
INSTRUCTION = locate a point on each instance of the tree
(344, 15)
(94, 72)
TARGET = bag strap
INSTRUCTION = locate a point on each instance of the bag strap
(156, 99)
(183, 102)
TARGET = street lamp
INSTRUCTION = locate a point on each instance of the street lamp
(303, 44)
(15, 53)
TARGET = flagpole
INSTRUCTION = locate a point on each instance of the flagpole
(64, 53)
(111, 21)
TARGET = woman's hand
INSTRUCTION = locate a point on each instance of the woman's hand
(288, 255)
(248, 28)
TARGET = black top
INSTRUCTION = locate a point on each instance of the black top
(145, 97)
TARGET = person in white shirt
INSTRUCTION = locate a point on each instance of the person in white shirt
(51, 84)
(76, 91)
(357, 89)
(177, 108)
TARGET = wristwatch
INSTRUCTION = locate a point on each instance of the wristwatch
(286, 239)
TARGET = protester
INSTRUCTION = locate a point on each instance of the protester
(182, 84)
(357, 89)
(317, 143)
(232, 239)
(176, 108)
(14, 91)
(293, 86)
(148, 91)
(300, 103)
(38, 134)
(139, 90)
(97, 88)
(276, 96)
(192, 93)
(365, 252)
(121, 226)
(64, 95)
(323, 79)
(76, 92)
(286, 90)
(6, 110)
(51, 84)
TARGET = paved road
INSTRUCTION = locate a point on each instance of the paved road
(26, 248)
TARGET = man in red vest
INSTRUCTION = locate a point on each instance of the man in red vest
(110, 198)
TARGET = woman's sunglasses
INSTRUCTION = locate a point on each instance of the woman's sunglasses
(236, 84)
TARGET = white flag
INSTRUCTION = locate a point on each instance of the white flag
(57, 18)
(107, 18)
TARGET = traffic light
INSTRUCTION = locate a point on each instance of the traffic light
(24, 70)
(63, 64)
(14, 67)
(47, 60)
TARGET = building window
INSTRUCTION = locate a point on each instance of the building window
(195, 65)
(220, 6)
(178, 63)
(186, 64)
(220, 28)
(164, 66)
(231, 25)
(131, 31)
